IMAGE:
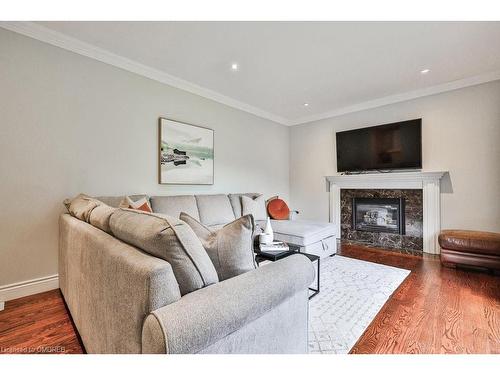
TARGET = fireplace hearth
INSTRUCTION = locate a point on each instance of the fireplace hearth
(378, 215)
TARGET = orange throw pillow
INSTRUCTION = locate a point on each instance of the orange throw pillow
(278, 209)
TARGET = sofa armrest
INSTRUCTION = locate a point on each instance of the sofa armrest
(202, 318)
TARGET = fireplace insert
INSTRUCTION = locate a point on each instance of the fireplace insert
(379, 215)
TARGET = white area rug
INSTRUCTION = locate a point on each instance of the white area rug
(352, 293)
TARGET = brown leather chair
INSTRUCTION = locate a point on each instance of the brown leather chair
(470, 248)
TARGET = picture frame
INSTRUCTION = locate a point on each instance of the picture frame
(185, 153)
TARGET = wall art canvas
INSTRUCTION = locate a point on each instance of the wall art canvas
(186, 153)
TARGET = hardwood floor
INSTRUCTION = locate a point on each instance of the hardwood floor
(38, 324)
(435, 310)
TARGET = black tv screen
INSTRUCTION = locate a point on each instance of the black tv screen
(390, 146)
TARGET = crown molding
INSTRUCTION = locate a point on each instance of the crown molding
(57, 39)
(392, 99)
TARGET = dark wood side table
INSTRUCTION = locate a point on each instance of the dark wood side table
(261, 256)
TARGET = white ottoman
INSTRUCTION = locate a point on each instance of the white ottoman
(313, 237)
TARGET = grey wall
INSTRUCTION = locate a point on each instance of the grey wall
(70, 124)
(461, 134)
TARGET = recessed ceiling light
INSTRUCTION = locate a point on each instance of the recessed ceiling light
(234, 66)
(306, 104)
(425, 71)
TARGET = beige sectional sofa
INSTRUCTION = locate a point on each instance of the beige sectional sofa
(125, 300)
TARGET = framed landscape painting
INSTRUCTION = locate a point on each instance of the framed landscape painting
(186, 153)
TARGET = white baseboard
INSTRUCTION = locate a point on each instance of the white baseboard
(27, 288)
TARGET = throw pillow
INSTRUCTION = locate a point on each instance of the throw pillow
(100, 216)
(230, 248)
(255, 207)
(81, 206)
(170, 239)
(90, 210)
(141, 204)
(278, 209)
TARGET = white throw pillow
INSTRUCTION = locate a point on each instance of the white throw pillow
(255, 207)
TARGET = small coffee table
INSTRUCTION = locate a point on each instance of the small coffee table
(273, 256)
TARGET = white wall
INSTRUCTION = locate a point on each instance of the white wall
(461, 134)
(70, 124)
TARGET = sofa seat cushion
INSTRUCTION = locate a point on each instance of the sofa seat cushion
(170, 239)
(214, 209)
(175, 204)
(230, 248)
(470, 241)
(300, 232)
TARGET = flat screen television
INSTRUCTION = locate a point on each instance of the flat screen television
(384, 147)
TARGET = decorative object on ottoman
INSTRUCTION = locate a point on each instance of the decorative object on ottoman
(278, 209)
(269, 230)
(265, 239)
(470, 248)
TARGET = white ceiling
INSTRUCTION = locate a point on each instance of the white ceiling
(336, 67)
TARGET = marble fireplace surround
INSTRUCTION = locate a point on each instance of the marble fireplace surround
(410, 241)
(429, 182)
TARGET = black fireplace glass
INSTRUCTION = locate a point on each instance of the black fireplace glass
(379, 215)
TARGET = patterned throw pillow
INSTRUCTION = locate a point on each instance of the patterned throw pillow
(141, 205)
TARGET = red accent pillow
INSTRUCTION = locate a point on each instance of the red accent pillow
(278, 209)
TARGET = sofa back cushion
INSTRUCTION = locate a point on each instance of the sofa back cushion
(175, 204)
(170, 239)
(214, 209)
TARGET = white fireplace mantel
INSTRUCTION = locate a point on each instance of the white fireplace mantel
(429, 182)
